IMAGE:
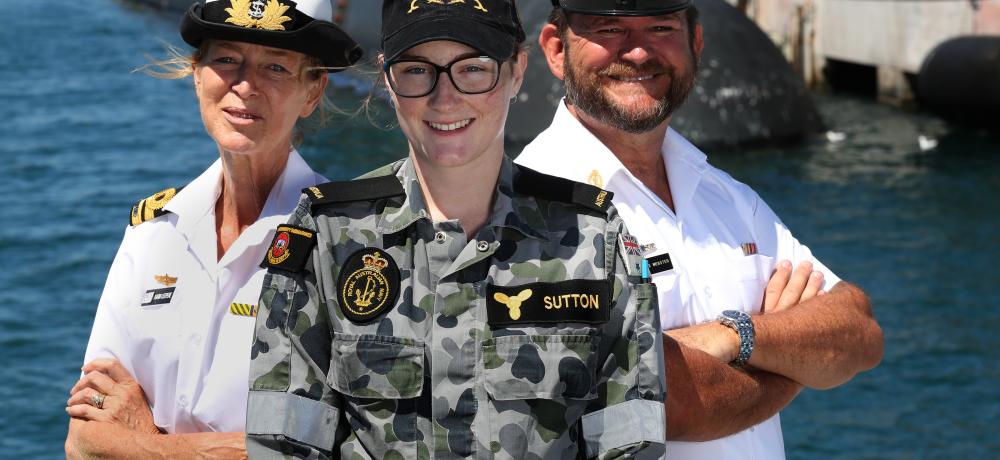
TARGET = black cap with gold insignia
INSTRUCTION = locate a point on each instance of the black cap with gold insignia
(623, 7)
(302, 26)
(490, 26)
(534, 183)
(368, 285)
(152, 207)
(290, 248)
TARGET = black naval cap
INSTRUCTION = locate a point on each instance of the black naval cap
(623, 7)
(490, 26)
(302, 26)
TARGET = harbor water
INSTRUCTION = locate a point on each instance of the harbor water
(901, 203)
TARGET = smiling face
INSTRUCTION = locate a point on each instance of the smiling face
(252, 95)
(630, 73)
(447, 128)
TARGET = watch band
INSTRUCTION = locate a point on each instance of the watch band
(741, 323)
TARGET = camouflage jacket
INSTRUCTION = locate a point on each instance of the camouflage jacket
(382, 334)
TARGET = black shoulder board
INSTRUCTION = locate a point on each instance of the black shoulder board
(152, 207)
(290, 248)
(534, 183)
(355, 190)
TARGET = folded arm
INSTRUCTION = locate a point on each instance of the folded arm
(707, 399)
(92, 439)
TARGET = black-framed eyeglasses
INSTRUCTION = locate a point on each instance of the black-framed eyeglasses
(418, 78)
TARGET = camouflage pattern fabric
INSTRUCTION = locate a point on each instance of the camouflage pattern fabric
(431, 377)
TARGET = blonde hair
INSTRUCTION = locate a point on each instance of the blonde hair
(179, 65)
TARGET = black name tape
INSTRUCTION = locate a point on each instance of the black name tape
(572, 301)
(660, 263)
(157, 296)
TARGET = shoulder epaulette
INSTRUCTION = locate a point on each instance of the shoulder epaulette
(370, 189)
(152, 207)
(552, 188)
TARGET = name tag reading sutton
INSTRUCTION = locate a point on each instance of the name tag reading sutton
(572, 301)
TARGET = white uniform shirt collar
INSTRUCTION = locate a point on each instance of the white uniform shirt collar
(197, 200)
(685, 163)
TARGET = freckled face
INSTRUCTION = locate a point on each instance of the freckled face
(629, 72)
(448, 128)
(251, 95)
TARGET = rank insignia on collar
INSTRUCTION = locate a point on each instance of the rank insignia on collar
(165, 279)
(595, 179)
(571, 301)
(368, 285)
(289, 249)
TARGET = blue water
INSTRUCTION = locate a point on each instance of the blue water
(84, 138)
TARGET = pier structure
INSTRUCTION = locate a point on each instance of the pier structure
(885, 39)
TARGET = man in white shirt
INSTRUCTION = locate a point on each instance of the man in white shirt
(711, 243)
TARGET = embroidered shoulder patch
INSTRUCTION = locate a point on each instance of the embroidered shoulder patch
(571, 301)
(290, 248)
(152, 207)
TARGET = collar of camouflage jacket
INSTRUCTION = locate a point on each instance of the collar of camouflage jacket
(510, 209)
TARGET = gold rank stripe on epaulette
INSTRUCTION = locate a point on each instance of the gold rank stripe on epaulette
(369, 189)
(243, 309)
(152, 207)
(534, 183)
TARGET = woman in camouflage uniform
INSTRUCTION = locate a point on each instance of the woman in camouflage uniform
(453, 304)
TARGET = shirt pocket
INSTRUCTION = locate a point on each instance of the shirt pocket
(752, 274)
(374, 366)
(380, 379)
(518, 367)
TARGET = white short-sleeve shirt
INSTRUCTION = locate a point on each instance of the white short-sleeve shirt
(723, 242)
(167, 309)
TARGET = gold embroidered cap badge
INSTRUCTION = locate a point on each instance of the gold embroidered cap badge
(258, 14)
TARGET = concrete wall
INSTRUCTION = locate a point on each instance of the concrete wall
(892, 35)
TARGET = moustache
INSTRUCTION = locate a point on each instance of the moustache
(624, 70)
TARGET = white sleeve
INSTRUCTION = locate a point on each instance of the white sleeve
(110, 338)
(775, 238)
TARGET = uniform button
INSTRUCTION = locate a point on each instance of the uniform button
(440, 237)
(708, 291)
(182, 401)
(483, 246)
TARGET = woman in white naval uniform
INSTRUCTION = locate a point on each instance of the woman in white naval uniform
(169, 354)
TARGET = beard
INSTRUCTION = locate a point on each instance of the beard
(585, 92)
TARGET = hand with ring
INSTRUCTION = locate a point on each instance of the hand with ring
(108, 393)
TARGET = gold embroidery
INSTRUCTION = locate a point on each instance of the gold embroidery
(376, 289)
(268, 18)
(600, 198)
(315, 190)
(156, 202)
(513, 303)
(414, 6)
(595, 179)
(165, 279)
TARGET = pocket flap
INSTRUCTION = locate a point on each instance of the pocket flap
(373, 366)
(541, 367)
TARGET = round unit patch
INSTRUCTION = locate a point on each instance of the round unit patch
(368, 285)
(279, 249)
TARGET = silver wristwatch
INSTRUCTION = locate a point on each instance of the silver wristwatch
(741, 323)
